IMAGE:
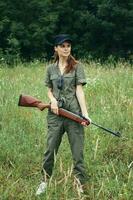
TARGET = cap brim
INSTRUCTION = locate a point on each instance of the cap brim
(64, 40)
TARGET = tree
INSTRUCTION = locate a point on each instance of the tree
(98, 27)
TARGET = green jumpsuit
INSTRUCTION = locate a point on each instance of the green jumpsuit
(58, 125)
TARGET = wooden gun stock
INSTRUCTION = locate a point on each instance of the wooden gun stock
(29, 101)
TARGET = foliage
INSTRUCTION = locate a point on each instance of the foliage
(99, 28)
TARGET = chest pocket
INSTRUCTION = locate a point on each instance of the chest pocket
(53, 77)
(54, 80)
(69, 79)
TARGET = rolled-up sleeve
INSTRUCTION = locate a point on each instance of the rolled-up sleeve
(48, 82)
(80, 75)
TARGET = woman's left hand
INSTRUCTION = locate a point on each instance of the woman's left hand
(84, 123)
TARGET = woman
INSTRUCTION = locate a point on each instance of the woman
(64, 79)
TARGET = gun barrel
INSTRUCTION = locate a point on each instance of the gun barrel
(106, 129)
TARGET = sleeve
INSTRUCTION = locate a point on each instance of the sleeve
(48, 82)
(80, 75)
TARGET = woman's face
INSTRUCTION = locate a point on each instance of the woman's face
(63, 50)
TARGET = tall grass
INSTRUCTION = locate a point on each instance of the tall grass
(109, 160)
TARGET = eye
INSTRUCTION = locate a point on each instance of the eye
(64, 46)
(68, 45)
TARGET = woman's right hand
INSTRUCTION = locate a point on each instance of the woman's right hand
(54, 106)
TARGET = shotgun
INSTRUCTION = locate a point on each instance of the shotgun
(29, 101)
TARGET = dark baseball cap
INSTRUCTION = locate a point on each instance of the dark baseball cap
(59, 39)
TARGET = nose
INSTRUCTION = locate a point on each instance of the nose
(66, 48)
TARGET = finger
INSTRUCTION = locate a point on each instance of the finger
(55, 111)
(84, 124)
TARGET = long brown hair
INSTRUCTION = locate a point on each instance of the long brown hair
(71, 62)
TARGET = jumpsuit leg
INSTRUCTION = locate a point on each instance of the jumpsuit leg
(75, 134)
(54, 137)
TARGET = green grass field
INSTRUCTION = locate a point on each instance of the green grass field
(108, 159)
